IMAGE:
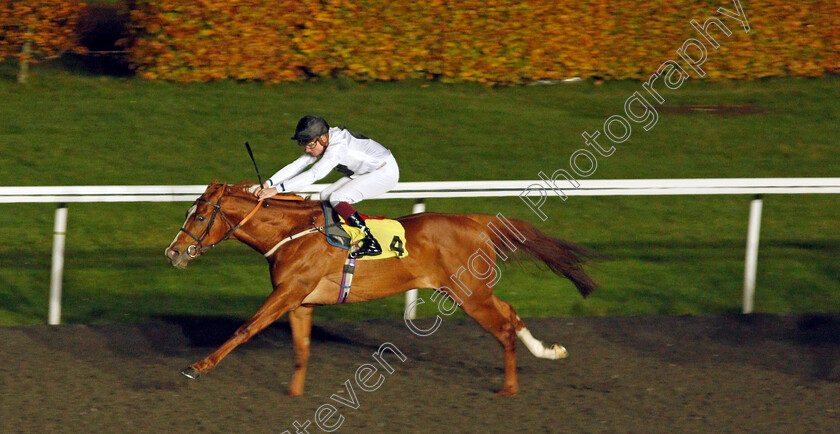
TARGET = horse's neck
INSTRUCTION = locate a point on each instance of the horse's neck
(270, 223)
(289, 216)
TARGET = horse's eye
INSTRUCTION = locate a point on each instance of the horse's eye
(200, 218)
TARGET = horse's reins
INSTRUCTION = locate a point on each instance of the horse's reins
(195, 250)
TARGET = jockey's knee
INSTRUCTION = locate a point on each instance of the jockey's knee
(337, 198)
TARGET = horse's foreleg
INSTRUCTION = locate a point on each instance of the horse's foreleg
(300, 320)
(275, 306)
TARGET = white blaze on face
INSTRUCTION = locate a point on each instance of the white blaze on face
(190, 213)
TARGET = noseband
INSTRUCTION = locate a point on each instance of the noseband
(199, 248)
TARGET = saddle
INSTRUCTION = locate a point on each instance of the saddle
(390, 234)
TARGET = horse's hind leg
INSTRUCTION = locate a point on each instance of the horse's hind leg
(536, 347)
(300, 320)
(498, 318)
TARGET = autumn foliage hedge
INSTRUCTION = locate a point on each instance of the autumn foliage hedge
(491, 41)
(34, 29)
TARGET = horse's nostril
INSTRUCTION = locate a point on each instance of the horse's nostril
(172, 253)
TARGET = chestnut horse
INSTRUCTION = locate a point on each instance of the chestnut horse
(306, 271)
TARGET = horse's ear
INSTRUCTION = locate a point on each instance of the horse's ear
(213, 188)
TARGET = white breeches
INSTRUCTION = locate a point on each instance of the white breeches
(354, 190)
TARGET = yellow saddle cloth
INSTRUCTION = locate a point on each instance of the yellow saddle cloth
(389, 233)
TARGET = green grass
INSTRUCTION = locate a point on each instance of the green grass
(672, 255)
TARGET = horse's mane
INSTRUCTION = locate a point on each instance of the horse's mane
(243, 190)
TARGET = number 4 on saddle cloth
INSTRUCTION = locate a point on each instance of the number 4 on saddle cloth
(389, 233)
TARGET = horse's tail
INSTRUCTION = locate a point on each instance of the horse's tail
(564, 258)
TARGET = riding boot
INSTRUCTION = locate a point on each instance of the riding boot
(369, 246)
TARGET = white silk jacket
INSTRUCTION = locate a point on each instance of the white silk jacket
(357, 156)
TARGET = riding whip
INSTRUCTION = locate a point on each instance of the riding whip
(248, 147)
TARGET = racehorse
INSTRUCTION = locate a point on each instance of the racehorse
(306, 271)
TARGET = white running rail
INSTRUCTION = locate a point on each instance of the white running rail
(423, 190)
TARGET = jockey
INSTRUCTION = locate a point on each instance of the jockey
(369, 168)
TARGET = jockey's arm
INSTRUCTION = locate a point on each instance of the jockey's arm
(274, 184)
(290, 170)
(331, 158)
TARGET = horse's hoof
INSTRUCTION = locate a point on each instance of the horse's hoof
(559, 352)
(190, 373)
(508, 391)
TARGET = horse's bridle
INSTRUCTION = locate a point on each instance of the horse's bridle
(195, 250)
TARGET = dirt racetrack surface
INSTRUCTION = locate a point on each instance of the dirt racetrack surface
(758, 373)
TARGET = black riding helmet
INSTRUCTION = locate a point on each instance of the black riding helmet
(309, 127)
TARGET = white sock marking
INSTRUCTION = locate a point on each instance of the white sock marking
(538, 349)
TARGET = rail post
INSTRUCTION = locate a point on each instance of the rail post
(751, 260)
(59, 234)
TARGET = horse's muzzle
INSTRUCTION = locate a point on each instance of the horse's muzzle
(176, 258)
